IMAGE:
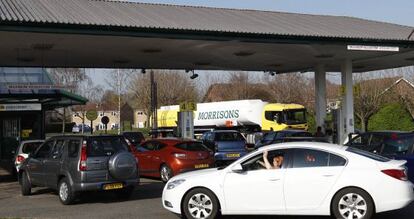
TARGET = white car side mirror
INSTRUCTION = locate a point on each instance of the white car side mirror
(237, 168)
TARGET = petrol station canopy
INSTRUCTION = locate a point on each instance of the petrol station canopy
(116, 34)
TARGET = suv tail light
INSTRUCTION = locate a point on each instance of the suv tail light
(396, 173)
(83, 157)
(19, 159)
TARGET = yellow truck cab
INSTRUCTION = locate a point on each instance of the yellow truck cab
(278, 116)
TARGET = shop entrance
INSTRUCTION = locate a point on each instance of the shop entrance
(10, 136)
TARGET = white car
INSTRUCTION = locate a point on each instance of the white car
(23, 151)
(314, 179)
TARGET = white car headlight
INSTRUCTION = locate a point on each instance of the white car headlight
(175, 183)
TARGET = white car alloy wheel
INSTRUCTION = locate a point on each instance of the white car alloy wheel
(200, 206)
(63, 191)
(352, 205)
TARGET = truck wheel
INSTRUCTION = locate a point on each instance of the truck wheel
(200, 203)
(352, 203)
(26, 187)
(66, 194)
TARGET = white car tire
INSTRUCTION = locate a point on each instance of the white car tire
(200, 203)
(352, 201)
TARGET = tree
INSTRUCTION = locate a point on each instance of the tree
(117, 81)
(173, 87)
(70, 79)
(370, 94)
(292, 88)
(392, 117)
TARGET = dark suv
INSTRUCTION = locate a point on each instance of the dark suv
(73, 164)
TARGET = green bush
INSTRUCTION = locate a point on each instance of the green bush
(311, 122)
(391, 117)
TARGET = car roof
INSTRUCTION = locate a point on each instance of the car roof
(32, 141)
(388, 132)
(292, 130)
(217, 131)
(173, 140)
(305, 144)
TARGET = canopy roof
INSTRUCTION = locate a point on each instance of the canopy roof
(108, 34)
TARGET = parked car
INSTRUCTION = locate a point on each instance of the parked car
(314, 179)
(165, 158)
(135, 138)
(78, 128)
(228, 145)
(23, 150)
(74, 164)
(283, 136)
(392, 144)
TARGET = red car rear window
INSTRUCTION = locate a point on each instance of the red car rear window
(192, 146)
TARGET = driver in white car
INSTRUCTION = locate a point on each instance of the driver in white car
(276, 164)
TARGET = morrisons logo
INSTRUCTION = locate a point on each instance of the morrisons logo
(223, 114)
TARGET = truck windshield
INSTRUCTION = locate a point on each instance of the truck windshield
(294, 117)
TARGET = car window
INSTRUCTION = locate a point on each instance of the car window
(192, 146)
(134, 137)
(73, 148)
(106, 146)
(149, 146)
(257, 163)
(58, 148)
(303, 158)
(376, 140)
(300, 134)
(367, 154)
(45, 149)
(269, 136)
(397, 145)
(360, 140)
(228, 136)
(159, 145)
(335, 160)
(210, 137)
(30, 147)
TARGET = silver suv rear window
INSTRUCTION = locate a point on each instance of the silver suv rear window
(106, 146)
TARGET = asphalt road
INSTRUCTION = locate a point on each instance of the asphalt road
(145, 203)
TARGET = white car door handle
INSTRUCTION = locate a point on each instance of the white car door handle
(328, 175)
(273, 180)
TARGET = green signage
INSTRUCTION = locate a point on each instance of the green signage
(91, 115)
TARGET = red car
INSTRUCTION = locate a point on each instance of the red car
(165, 158)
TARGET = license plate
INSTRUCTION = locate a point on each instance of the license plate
(113, 186)
(198, 166)
(232, 155)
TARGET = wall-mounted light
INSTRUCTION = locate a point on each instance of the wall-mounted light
(243, 53)
(324, 56)
(194, 75)
(151, 50)
(25, 59)
(42, 46)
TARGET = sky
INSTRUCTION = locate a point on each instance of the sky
(393, 11)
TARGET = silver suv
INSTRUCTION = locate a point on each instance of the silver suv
(73, 164)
